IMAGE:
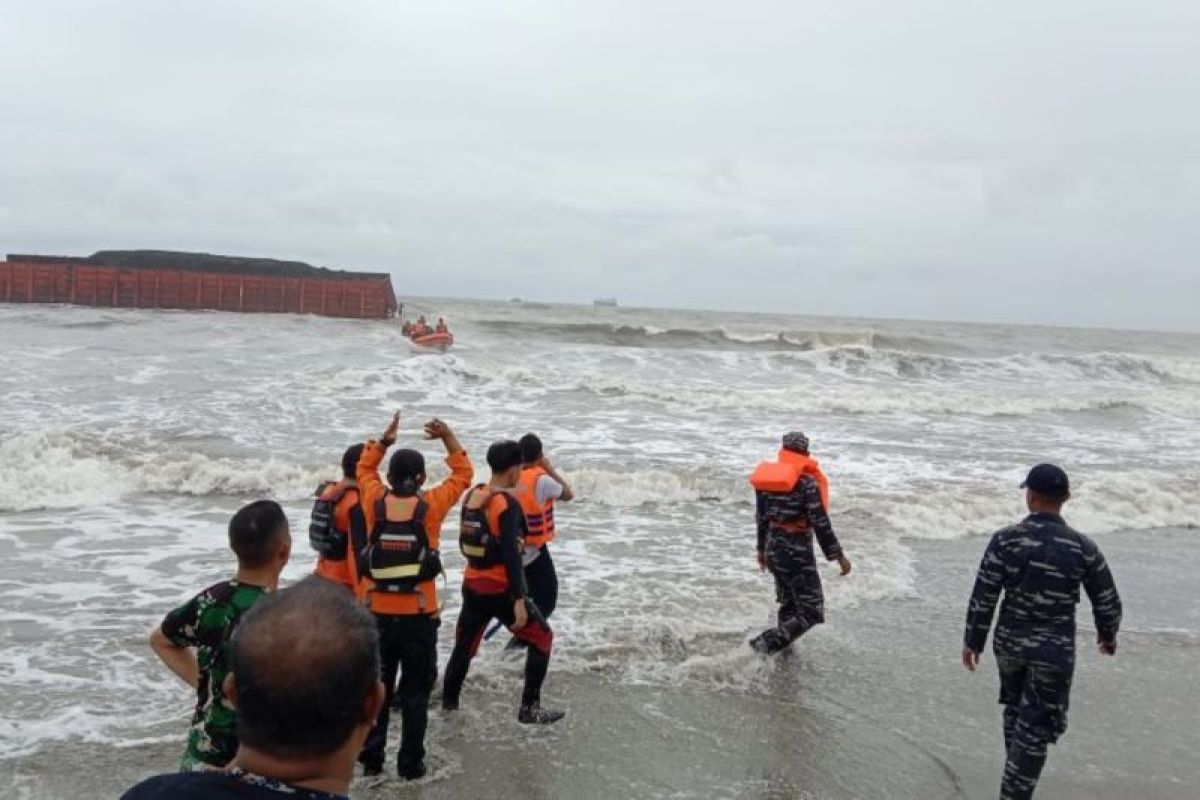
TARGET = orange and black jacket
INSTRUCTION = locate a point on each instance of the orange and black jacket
(439, 501)
(506, 522)
(348, 519)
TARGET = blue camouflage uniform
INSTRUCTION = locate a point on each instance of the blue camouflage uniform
(1039, 564)
(786, 524)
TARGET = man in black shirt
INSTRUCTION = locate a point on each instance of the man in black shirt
(1039, 565)
(305, 681)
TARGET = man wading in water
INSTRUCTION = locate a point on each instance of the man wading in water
(792, 497)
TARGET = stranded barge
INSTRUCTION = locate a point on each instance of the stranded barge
(169, 279)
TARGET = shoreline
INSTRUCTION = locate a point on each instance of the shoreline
(874, 704)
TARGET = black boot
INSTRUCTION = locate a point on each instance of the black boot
(411, 770)
(769, 642)
(536, 715)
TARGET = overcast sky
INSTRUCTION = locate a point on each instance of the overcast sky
(947, 159)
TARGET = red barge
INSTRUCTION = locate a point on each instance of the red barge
(168, 279)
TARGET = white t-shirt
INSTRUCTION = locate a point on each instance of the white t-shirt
(545, 490)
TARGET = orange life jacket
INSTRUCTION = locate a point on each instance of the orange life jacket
(782, 475)
(479, 535)
(539, 518)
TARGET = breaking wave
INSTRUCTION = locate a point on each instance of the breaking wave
(41, 470)
(721, 338)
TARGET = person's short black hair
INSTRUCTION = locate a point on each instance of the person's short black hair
(254, 532)
(304, 661)
(503, 456)
(350, 461)
(404, 470)
(531, 448)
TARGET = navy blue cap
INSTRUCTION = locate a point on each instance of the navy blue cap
(1048, 480)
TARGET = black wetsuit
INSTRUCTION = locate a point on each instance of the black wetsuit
(1039, 564)
(485, 599)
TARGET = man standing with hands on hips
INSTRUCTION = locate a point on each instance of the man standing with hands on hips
(1039, 565)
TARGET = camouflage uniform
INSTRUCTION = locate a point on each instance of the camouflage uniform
(205, 622)
(786, 523)
(1039, 563)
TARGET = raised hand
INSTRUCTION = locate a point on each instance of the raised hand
(389, 434)
(437, 429)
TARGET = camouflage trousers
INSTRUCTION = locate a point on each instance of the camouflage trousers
(1035, 698)
(797, 588)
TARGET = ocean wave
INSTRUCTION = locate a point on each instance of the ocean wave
(57, 469)
(817, 397)
(720, 338)
(1103, 501)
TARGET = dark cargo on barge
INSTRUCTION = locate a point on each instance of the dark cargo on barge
(176, 280)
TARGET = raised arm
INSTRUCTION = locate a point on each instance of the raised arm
(371, 488)
(447, 493)
(567, 494)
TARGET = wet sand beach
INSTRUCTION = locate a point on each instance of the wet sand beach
(873, 705)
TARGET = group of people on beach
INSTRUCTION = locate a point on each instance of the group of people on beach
(295, 686)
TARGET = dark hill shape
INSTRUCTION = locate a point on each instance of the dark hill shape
(208, 262)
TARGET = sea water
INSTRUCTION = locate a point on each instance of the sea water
(127, 438)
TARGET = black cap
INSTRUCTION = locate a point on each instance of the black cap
(1048, 480)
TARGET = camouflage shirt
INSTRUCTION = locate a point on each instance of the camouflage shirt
(1039, 564)
(205, 622)
(799, 508)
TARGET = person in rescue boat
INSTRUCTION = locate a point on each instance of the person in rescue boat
(540, 486)
(399, 570)
(491, 539)
(792, 501)
(338, 530)
(442, 327)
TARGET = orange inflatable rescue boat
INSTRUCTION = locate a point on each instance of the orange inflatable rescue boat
(435, 341)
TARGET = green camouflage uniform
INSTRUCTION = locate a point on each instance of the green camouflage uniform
(206, 622)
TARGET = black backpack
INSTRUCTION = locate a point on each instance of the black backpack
(478, 543)
(323, 535)
(398, 555)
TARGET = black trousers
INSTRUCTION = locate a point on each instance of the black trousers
(541, 581)
(477, 611)
(408, 645)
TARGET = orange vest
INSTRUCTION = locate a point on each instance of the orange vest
(344, 572)
(781, 475)
(539, 518)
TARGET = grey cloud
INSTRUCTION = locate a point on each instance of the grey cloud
(958, 160)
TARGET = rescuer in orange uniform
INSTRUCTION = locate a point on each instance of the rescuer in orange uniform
(399, 570)
(338, 530)
(493, 527)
